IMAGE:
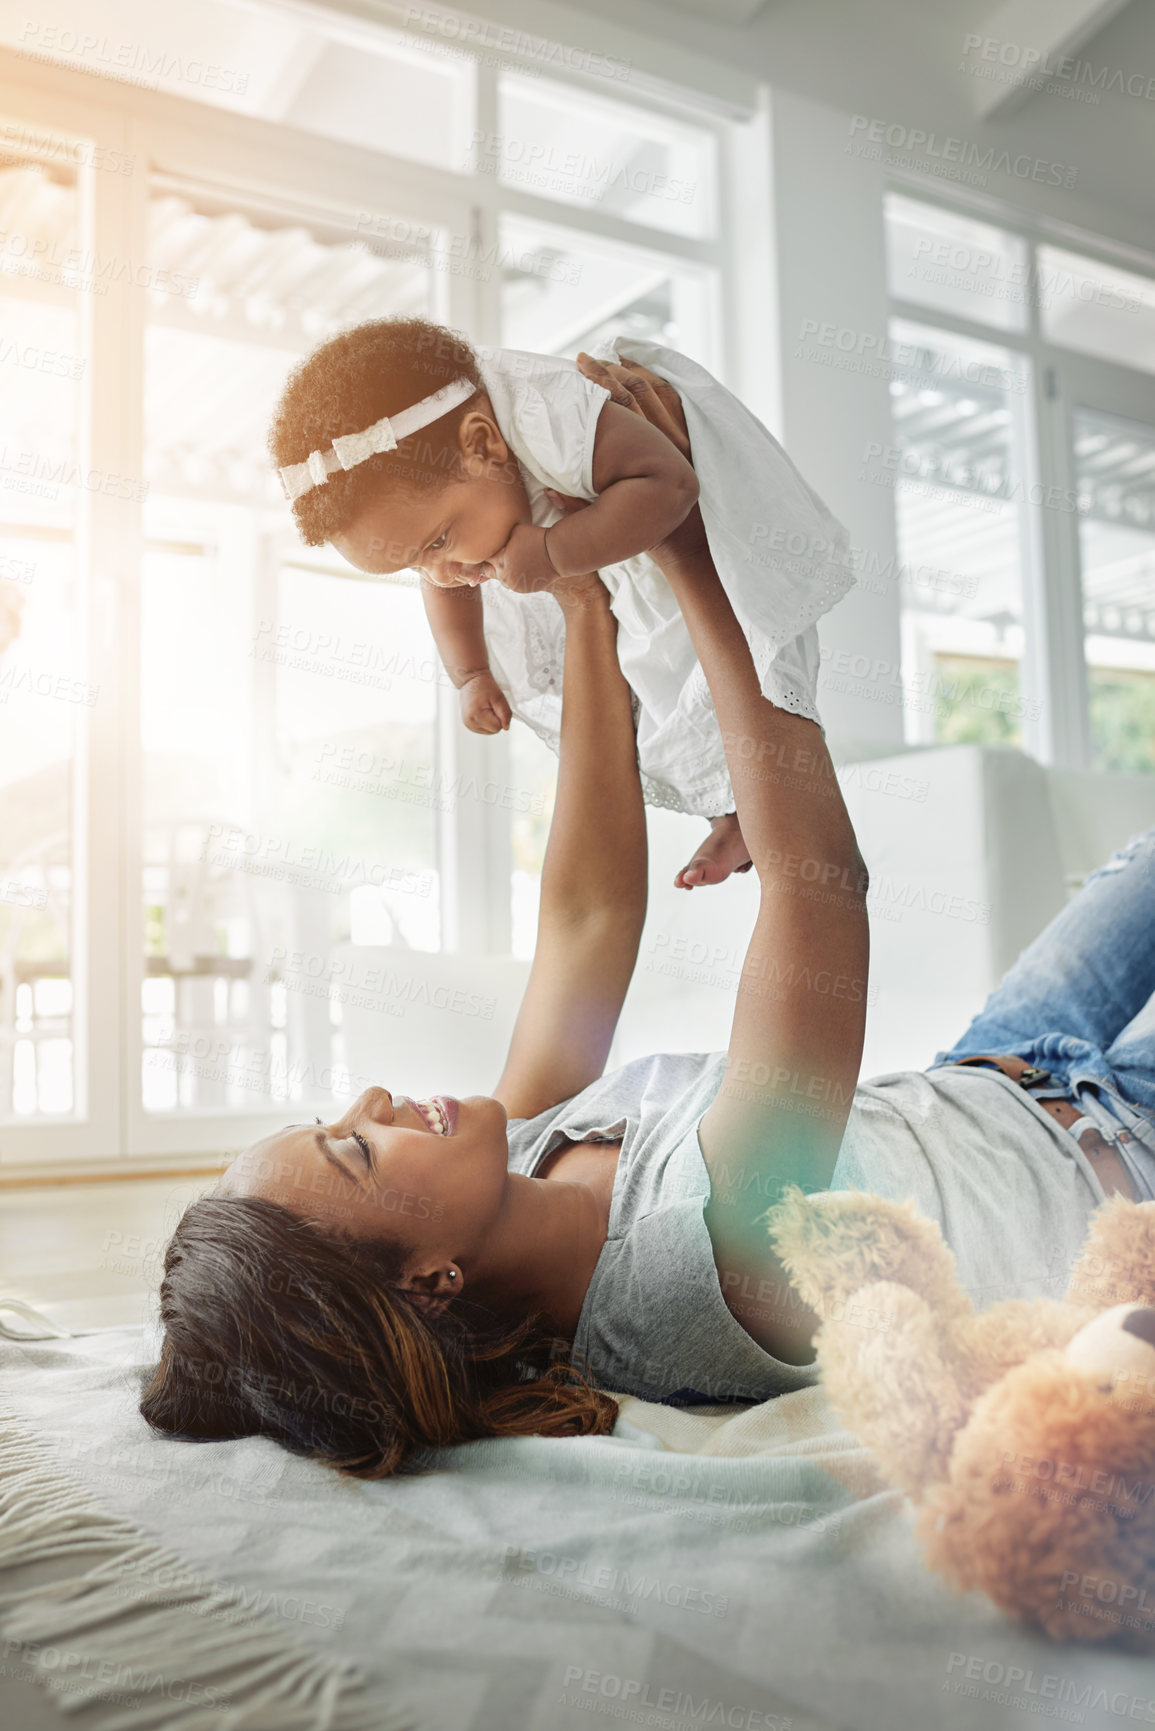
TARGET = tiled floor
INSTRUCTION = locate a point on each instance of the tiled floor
(90, 1254)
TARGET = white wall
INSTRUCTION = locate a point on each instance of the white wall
(831, 280)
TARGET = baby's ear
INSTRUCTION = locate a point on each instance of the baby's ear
(478, 434)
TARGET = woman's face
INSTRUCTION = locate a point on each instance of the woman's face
(428, 1175)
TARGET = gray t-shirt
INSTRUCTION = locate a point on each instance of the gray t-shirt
(1011, 1190)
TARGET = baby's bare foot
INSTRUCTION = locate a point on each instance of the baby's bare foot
(722, 852)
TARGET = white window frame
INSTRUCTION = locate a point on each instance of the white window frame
(276, 167)
(1053, 673)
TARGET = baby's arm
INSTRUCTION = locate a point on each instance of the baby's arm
(456, 619)
(645, 489)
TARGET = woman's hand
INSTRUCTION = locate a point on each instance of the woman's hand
(636, 387)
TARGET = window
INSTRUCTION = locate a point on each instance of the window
(230, 764)
(953, 264)
(1098, 310)
(601, 155)
(46, 695)
(564, 291)
(1116, 477)
(288, 706)
(954, 402)
(1025, 422)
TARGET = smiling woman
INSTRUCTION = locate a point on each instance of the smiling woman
(318, 1296)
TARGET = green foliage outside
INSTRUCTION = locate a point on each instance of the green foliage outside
(977, 701)
(1122, 705)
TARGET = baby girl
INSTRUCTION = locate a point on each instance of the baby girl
(405, 447)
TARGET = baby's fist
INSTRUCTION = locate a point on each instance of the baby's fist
(484, 708)
(523, 564)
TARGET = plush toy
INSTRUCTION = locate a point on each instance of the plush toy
(1025, 1434)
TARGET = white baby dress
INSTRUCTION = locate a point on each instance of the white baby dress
(781, 556)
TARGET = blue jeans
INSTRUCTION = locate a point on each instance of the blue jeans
(1080, 1000)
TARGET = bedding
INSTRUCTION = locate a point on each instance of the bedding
(738, 1567)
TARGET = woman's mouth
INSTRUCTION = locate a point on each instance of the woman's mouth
(439, 1112)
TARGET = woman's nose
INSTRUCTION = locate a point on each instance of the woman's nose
(375, 1104)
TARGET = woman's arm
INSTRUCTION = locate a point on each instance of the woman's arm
(593, 881)
(800, 1015)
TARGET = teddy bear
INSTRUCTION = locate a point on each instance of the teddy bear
(1024, 1434)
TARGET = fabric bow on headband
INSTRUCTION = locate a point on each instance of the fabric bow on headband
(349, 449)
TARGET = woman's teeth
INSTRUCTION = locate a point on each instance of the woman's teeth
(433, 1116)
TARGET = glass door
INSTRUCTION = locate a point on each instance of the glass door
(1103, 416)
(1115, 469)
(289, 707)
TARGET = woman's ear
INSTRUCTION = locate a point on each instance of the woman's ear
(432, 1289)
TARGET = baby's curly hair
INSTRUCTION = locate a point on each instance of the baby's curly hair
(346, 384)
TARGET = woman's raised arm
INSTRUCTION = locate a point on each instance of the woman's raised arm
(593, 881)
(800, 1015)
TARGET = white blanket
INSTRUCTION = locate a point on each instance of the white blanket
(723, 1568)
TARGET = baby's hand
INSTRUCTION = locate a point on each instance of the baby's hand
(484, 708)
(523, 564)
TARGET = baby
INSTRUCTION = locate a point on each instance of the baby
(403, 446)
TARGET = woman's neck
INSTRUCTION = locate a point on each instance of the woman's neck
(542, 1251)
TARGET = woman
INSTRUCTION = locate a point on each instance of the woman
(421, 1273)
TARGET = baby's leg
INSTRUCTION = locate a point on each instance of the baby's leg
(722, 852)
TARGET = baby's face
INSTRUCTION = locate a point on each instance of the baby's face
(452, 532)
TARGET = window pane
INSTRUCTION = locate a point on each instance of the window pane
(1116, 475)
(558, 142)
(356, 678)
(288, 705)
(562, 292)
(955, 265)
(1097, 309)
(340, 77)
(402, 99)
(958, 503)
(45, 697)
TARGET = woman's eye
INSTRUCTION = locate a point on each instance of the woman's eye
(434, 545)
(364, 1146)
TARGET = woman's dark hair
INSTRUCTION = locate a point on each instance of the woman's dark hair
(278, 1327)
(344, 386)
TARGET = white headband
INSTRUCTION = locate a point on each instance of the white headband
(384, 435)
